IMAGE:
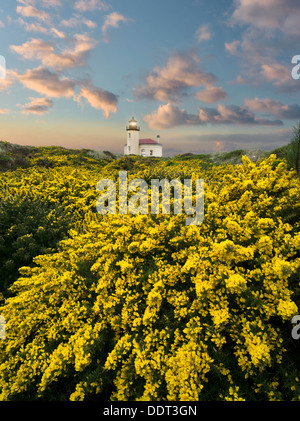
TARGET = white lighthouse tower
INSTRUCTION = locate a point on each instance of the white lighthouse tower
(142, 147)
(133, 138)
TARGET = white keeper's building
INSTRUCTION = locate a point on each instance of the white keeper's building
(142, 147)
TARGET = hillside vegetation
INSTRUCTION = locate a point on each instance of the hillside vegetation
(145, 307)
(14, 156)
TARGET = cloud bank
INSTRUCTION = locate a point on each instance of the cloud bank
(173, 82)
(49, 77)
(169, 115)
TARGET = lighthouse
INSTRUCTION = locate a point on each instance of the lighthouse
(142, 147)
(133, 138)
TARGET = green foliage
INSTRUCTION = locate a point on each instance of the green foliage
(189, 156)
(16, 156)
(29, 226)
(293, 150)
(127, 307)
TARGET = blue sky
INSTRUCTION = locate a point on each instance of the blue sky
(204, 75)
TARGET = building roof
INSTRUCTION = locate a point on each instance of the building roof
(148, 141)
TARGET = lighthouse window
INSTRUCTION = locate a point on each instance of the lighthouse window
(128, 148)
(151, 152)
(129, 135)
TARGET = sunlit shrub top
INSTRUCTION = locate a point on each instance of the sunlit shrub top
(146, 308)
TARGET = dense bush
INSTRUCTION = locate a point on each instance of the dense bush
(293, 151)
(146, 308)
(29, 226)
(37, 208)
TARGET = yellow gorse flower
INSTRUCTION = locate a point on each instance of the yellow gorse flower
(143, 307)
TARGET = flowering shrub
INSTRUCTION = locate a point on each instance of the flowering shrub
(146, 308)
(29, 227)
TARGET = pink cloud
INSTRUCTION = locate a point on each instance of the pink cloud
(53, 85)
(211, 94)
(170, 83)
(51, 3)
(34, 49)
(31, 11)
(57, 33)
(89, 23)
(45, 82)
(32, 27)
(76, 21)
(283, 15)
(232, 47)
(276, 72)
(274, 107)
(169, 115)
(239, 80)
(39, 106)
(44, 3)
(37, 49)
(112, 21)
(8, 81)
(37, 27)
(232, 114)
(99, 99)
(271, 28)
